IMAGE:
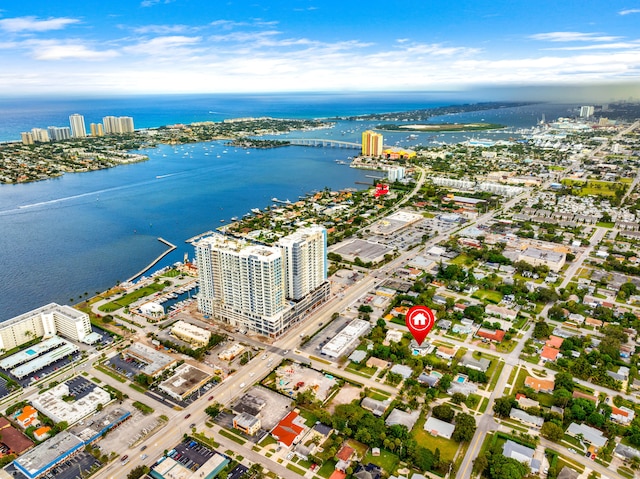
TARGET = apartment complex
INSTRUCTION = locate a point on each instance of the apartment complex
(47, 321)
(78, 128)
(117, 125)
(371, 143)
(262, 288)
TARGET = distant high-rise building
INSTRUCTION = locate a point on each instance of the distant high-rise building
(58, 133)
(126, 124)
(371, 143)
(586, 111)
(118, 125)
(305, 261)
(247, 285)
(78, 129)
(40, 135)
(27, 138)
(96, 129)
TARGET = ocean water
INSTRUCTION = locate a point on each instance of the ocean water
(65, 238)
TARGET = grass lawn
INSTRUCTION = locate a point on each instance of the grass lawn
(488, 295)
(545, 399)
(295, 469)
(127, 299)
(138, 388)
(361, 370)
(233, 437)
(496, 375)
(483, 406)
(327, 468)
(309, 417)
(462, 259)
(108, 372)
(386, 460)
(522, 375)
(447, 447)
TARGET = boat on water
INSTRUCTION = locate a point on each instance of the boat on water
(255, 210)
(234, 218)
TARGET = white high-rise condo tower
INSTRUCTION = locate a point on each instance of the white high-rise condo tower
(78, 130)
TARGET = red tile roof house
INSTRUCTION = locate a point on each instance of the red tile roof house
(14, 439)
(554, 342)
(289, 429)
(497, 335)
(549, 354)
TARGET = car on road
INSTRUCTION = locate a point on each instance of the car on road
(193, 424)
(143, 447)
(143, 457)
(187, 416)
(210, 398)
(124, 458)
(572, 450)
(264, 357)
(242, 385)
(286, 352)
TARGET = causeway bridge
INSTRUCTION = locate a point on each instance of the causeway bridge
(325, 143)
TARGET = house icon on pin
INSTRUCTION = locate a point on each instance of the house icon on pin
(419, 320)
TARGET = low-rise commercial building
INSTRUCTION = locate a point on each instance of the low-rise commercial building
(55, 405)
(346, 338)
(154, 361)
(540, 257)
(185, 380)
(190, 333)
(246, 423)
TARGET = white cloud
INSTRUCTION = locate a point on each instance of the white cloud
(151, 3)
(573, 37)
(166, 46)
(599, 46)
(54, 50)
(164, 29)
(33, 24)
(629, 11)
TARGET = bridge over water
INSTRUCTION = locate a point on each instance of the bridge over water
(325, 143)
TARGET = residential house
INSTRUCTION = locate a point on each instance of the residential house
(539, 385)
(42, 433)
(549, 354)
(526, 418)
(376, 407)
(580, 395)
(13, 439)
(28, 417)
(481, 364)
(568, 473)
(373, 362)
(554, 342)
(445, 352)
(370, 471)
(429, 380)
(490, 334)
(524, 402)
(398, 416)
(589, 434)
(439, 428)
(622, 415)
(402, 370)
(289, 429)
(521, 453)
(357, 356)
(500, 312)
(344, 457)
(625, 452)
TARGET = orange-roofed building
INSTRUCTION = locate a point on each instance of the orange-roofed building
(581, 395)
(14, 439)
(554, 342)
(539, 385)
(28, 417)
(549, 354)
(42, 433)
(289, 429)
(345, 453)
(491, 335)
(338, 475)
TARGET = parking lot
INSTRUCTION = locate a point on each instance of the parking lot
(80, 465)
(192, 454)
(129, 432)
(238, 472)
(79, 387)
(127, 367)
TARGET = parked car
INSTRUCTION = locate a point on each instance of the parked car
(187, 416)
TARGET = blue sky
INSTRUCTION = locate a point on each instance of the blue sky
(197, 46)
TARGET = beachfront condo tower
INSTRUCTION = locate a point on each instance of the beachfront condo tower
(78, 130)
(260, 288)
(371, 143)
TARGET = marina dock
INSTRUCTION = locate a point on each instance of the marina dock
(155, 261)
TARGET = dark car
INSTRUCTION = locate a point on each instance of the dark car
(143, 448)
(210, 398)
(124, 458)
(187, 416)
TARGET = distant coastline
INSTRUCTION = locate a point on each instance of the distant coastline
(440, 127)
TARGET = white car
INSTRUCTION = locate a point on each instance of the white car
(242, 385)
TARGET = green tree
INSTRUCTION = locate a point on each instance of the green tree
(541, 330)
(501, 467)
(138, 472)
(552, 431)
(443, 412)
(502, 406)
(213, 410)
(465, 428)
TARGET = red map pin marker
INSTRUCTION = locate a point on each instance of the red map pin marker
(420, 320)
